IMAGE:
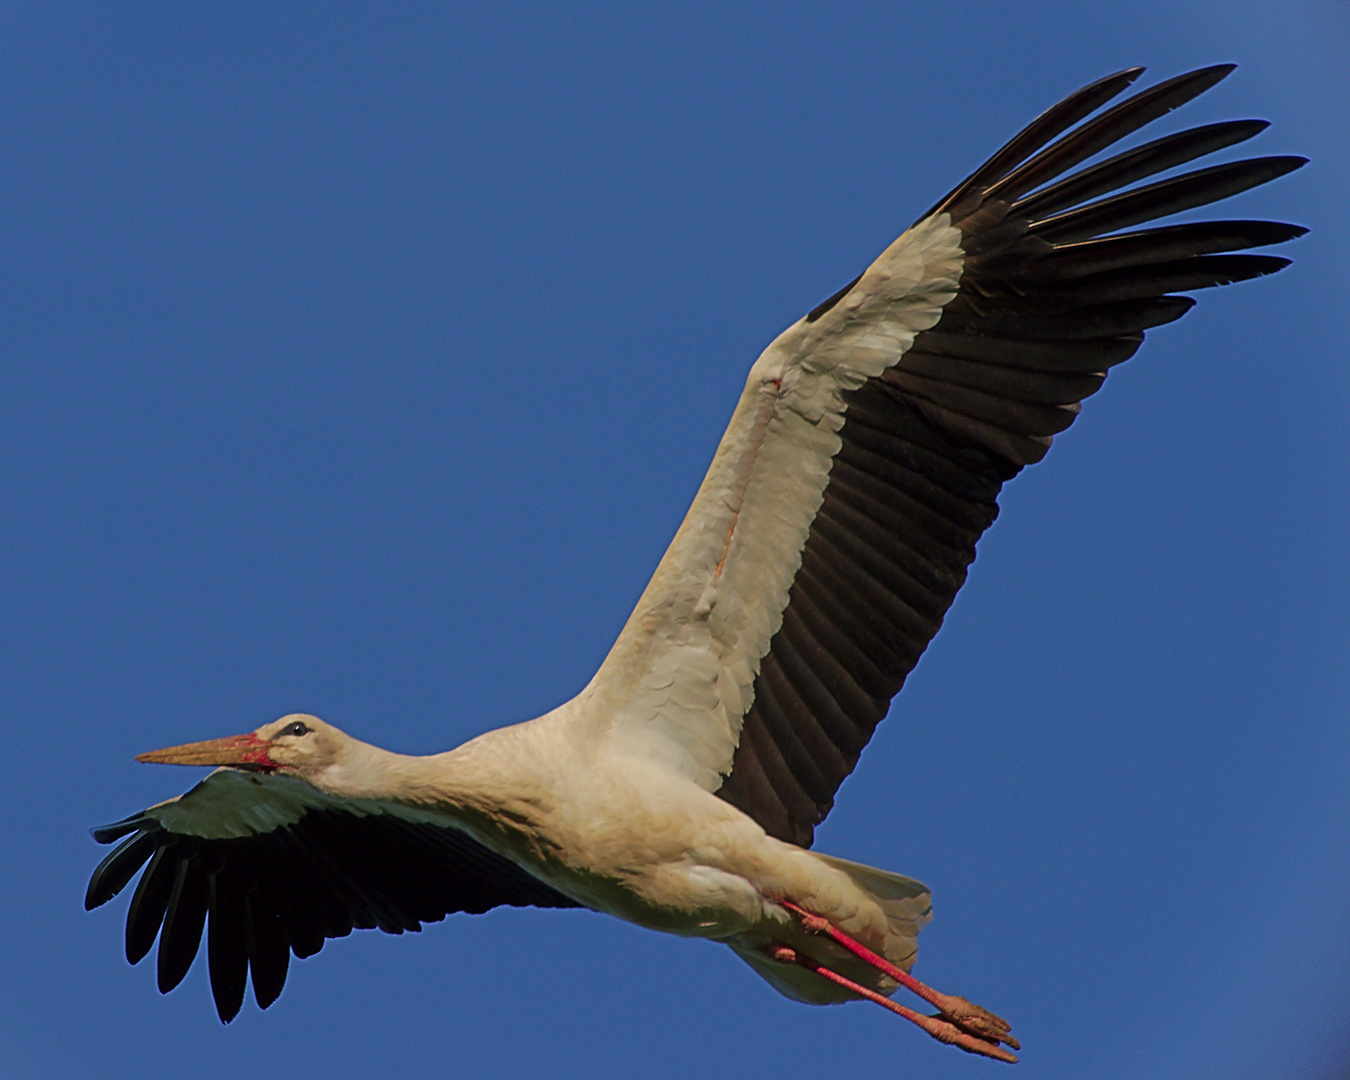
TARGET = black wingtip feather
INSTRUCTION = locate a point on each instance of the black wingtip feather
(110, 877)
(1137, 164)
(107, 834)
(183, 922)
(1108, 128)
(269, 956)
(226, 947)
(1147, 247)
(1164, 198)
(1046, 127)
(145, 914)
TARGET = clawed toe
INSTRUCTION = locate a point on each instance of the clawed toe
(944, 1030)
(976, 1020)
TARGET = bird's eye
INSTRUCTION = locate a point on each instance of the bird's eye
(298, 728)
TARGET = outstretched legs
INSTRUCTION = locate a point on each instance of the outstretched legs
(958, 1021)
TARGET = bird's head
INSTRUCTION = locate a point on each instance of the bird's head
(298, 744)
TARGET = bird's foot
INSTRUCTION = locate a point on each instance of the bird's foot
(976, 1020)
(940, 1027)
(964, 1039)
(958, 1021)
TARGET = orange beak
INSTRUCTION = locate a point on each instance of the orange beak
(235, 750)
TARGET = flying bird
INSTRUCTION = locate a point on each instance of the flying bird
(681, 788)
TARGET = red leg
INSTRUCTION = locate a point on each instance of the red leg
(964, 1014)
(937, 1027)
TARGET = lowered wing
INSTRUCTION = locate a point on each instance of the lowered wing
(280, 867)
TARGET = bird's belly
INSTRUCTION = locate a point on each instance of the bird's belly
(684, 897)
(633, 839)
(669, 855)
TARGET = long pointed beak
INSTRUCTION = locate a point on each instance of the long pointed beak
(235, 750)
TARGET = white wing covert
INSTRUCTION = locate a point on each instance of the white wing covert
(684, 667)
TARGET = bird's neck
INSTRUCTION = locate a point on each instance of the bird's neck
(496, 781)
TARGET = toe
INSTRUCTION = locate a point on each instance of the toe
(976, 1020)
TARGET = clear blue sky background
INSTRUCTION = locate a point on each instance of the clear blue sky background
(362, 361)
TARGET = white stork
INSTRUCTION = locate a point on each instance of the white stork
(680, 789)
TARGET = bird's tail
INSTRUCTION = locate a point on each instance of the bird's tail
(908, 906)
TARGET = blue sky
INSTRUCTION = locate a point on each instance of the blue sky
(362, 361)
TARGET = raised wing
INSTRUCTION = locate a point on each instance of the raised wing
(841, 511)
(279, 867)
